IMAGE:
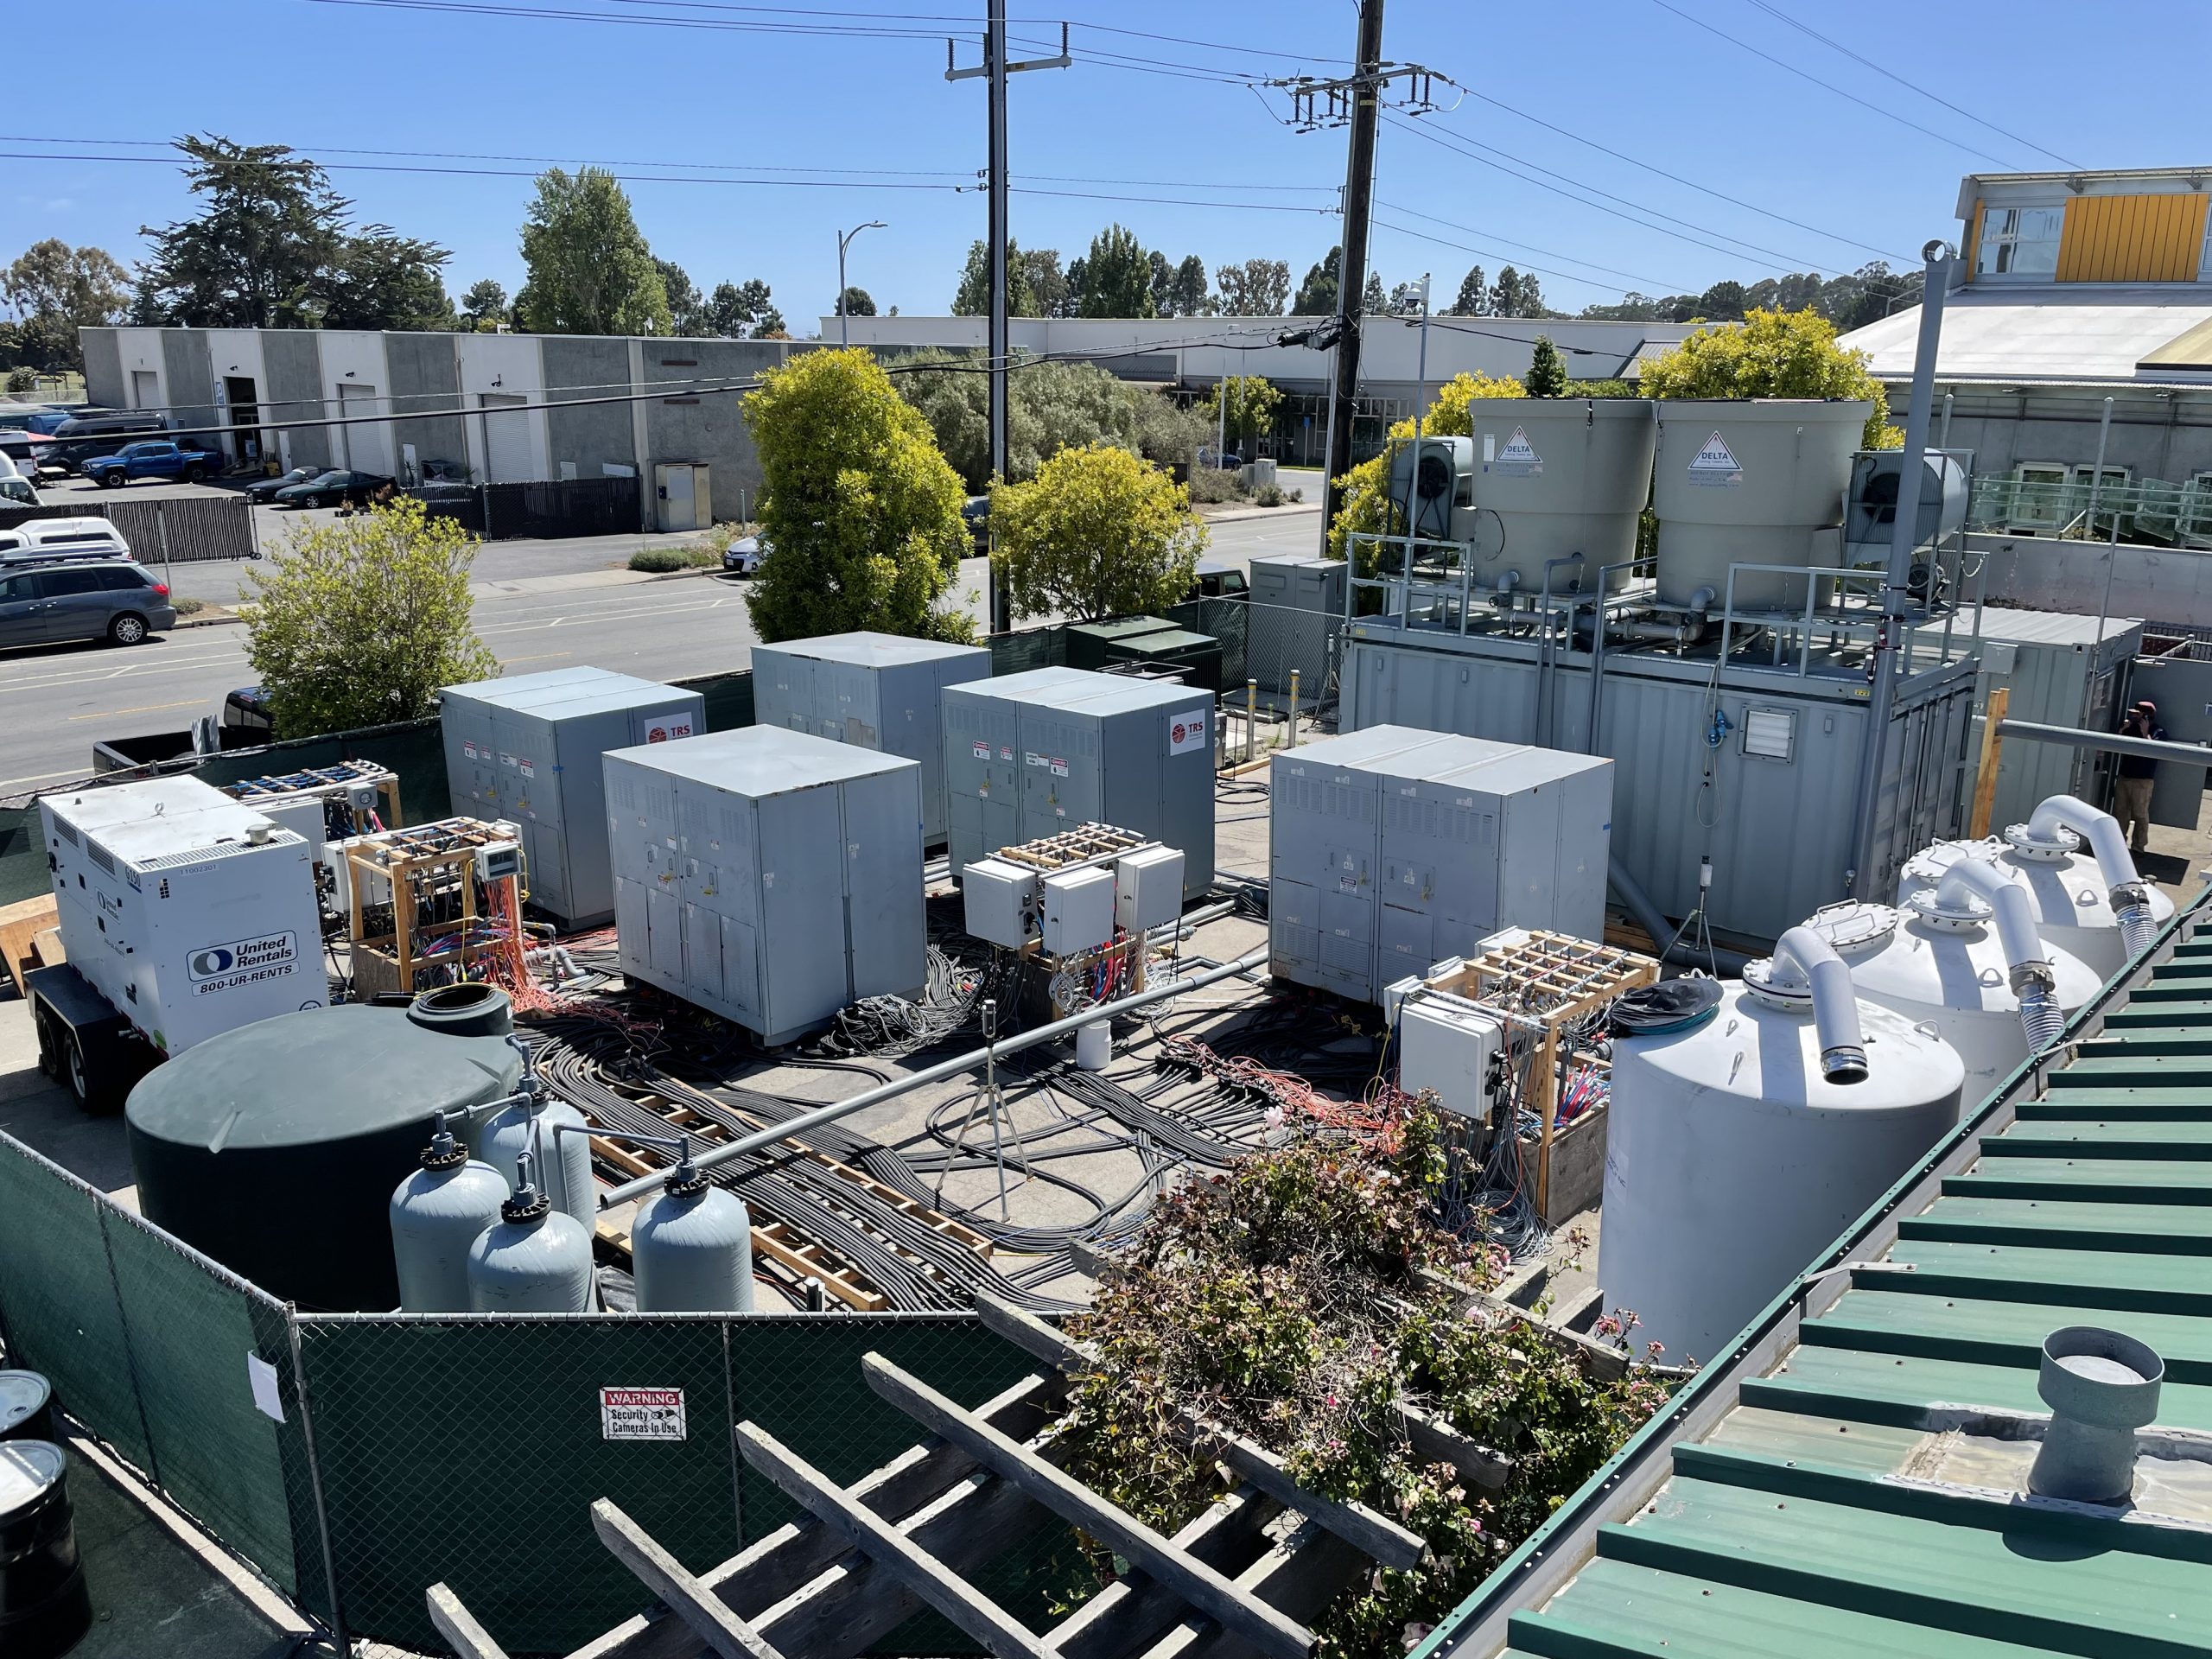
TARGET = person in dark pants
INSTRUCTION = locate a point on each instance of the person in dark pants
(2132, 806)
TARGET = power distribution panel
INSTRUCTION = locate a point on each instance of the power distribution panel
(1147, 888)
(1447, 1047)
(1078, 910)
(1001, 903)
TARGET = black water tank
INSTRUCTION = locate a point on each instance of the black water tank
(45, 1609)
(26, 1407)
(275, 1148)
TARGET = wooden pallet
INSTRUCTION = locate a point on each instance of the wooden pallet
(20, 925)
(1245, 1576)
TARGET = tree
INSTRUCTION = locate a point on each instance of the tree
(1474, 294)
(859, 511)
(1879, 291)
(770, 325)
(1098, 532)
(1547, 372)
(1187, 293)
(735, 308)
(1116, 277)
(688, 312)
(1365, 497)
(1317, 295)
(1159, 276)
(1047, 285)
(1773, 354)
(855, 302)
(1256, 288)
(271, 225)
(1517, 294)
(381, 279)
(1252, 405)
(1052, 406)
(485, 305)
(973, 297)
(1722, 303)
(590, 270)
(55, 290)
(359, 622)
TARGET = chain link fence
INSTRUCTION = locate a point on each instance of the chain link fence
(380, 1454)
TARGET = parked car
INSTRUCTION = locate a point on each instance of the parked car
(153, 458)
(47, 421)
(335, 488)
(1227, 462)
(1217, 580)
(15, 490)
(85, 437)
(247, 720)
(22, 450)
(44, 541)
(96, 599)
(742, 556)
(976, 510)
(264, 490)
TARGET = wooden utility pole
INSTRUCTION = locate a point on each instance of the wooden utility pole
(1366, 94)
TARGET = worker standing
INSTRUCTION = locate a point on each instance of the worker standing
(2137, 772)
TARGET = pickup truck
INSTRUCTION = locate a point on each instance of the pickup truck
(154, 458)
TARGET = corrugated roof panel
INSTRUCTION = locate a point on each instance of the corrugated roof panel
(1851, 1480)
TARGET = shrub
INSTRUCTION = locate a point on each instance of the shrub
(661, 560)
(23, 379)
(1774, 355)
(187, 606)
(1365, 505)
(1269, 496)
(1098, 532)
(1212, 484)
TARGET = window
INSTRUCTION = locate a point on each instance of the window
(2019, 241)
(59, 584)
(15, 589)
(116, 581)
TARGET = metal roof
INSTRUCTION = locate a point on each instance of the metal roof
(2051, 628)
(1848, 1480)
(2065, 333)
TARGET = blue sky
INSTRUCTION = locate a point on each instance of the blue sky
(1214, 169)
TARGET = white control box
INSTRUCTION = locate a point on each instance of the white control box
(190, 913)
(1078, 910)
(1446, 1046)
(1001, 899)
(1147, 888)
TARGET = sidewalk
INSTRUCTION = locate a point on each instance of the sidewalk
(1232, 515)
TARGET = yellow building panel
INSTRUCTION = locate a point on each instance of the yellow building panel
(2156, 239)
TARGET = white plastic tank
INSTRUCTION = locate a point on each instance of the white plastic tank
(691, 1247)
(1555, 477)
(1748, 481)
(2087, 899)
(533, 1260)
(1742, 1143)
(437, 1213)
(1941, 960)
(530, 1125)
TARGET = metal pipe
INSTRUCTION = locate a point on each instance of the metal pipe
(1904, 534)
(2127, 894)
(938, 1073)
(2032, 981)
(2187, 754)
(1648, 917)
(1547, 650)
(1835, 1005)
(2097, 475)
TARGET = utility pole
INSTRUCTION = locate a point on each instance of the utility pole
(994, 69)
(1897, 602)
(845, 238)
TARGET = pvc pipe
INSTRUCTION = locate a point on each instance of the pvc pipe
(2125, 890)
(1639, 904)
(2016, 917)
(938, 1073)
(1835, 1005)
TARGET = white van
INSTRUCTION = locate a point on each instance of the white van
(16, 489)
(41, 541)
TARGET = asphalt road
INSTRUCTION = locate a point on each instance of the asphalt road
(61, 699)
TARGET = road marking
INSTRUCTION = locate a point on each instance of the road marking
(143, 709)
(543, 656)
(40, 777)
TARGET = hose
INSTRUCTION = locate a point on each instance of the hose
(2128, 893)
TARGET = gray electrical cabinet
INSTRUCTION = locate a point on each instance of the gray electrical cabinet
(528, 750)
(1393, 848)
(875, 690)
(768, 876)
(1029, 755)
(1295, 612)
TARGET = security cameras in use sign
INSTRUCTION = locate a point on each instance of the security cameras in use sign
(641, 1414)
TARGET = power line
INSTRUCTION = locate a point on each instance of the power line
(1520, 264)
(1461, 148)
(1435, 321)
(1828, 85)
(1550, 253)
(1718, 195)
(1781, 15)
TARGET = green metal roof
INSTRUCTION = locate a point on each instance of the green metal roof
(1811, 1494)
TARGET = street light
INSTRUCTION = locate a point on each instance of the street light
(844, 322)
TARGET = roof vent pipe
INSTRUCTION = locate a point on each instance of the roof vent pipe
(2101, 1387)
(2129, 896)
(2033, 983)
(1835, 1005)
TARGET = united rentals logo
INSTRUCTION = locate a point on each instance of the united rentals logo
(224, 966)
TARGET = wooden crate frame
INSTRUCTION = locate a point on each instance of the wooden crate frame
(437, 853)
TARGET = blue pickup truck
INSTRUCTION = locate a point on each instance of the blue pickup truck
(154, 458)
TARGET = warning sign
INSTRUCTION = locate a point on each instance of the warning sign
(1715, 465)
(1519, 459)
(641, 1414)
(982, 751)
(1187, 731)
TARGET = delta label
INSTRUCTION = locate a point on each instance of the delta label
(217, 968)
(1714, 466)
(1519, 458)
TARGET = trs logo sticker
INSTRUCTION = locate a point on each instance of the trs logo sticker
(241, 961)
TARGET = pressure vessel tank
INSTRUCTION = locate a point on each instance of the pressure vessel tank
(532, 1124)
(533, 1260)
(691, 1247)
(437, 1213)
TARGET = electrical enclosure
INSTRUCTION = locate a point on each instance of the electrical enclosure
(1030, 755)
(1392, 848)
(874, 691)
(1447, 1045)
(1078, 910)
(190, 913)
(768, 876)
(1147, 888)
(528, 749)
(997, 897)
(1293, 616)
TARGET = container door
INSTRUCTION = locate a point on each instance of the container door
(741, 970)
(665, 934)
(883, 883)
(1294, 929)
(633, 930)
(702, 954)
(1348, 923)
(801, 910)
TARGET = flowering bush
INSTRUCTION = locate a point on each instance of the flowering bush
(1296, 1297)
